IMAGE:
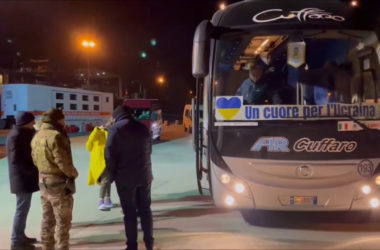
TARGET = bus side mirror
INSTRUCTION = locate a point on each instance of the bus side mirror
(201, 49)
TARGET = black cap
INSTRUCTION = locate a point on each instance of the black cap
(23, 118)
(122, 111)
(259, 63)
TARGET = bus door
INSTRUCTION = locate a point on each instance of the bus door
(200, 70)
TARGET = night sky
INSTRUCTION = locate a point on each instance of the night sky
(122, 29)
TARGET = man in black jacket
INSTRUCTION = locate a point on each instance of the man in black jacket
(23, 176)
(128, 151)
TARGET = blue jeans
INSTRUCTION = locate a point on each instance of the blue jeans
(23, 201)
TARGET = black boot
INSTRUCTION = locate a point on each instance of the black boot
(29, 240)
(22, 246)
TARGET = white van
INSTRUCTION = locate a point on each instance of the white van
(187, 118)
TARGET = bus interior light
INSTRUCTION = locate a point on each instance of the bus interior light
(230, 201)
(374, 202)
(366, 189)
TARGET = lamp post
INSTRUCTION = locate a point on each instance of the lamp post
(161, 81)
(88, 45)
(222, 6)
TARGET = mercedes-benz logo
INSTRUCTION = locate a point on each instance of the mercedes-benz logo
(304, 171)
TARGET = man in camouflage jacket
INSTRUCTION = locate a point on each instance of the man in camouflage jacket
(51, 154)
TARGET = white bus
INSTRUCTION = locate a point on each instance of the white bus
(83, 109)
(302, 134)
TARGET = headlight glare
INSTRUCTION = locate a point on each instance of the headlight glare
(230, 201)
(239, 188)
(374, 202)
(225, 178)
(377, 180)
(366, 189)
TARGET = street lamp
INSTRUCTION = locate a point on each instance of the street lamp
(85, 44)
(88, 45)
(222, 6)
(161, 80)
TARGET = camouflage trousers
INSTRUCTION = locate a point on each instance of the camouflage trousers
(57, 210)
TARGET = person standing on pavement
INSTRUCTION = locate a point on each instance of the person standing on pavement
(51, 154)
(23, 176)
(97, 173)
(128, 162)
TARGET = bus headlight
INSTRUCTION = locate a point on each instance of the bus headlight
(366, 189)
(374, 202)
(232, 182)
(230, 201)
(377, 179)
(239, 188)
(225, 178)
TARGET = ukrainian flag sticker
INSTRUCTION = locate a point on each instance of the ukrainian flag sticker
(228, 107)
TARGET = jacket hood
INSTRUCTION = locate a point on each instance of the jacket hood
(122, 116)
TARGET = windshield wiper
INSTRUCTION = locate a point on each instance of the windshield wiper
(362, 125)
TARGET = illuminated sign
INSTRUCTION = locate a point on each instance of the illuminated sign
(326, 145)
(272, 144)
(329, 145)
(231, 108)
(301, 15)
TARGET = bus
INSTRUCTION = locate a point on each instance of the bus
(83, 109)
(147, 111)
(291, 111)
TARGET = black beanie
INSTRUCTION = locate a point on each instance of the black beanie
(122, 111)
(23, 118)
(52, 116)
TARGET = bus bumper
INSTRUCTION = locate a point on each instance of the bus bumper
(264, 197)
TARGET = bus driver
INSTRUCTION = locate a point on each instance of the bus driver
(257, 88)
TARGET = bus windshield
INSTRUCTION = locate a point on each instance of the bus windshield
(334, 73)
